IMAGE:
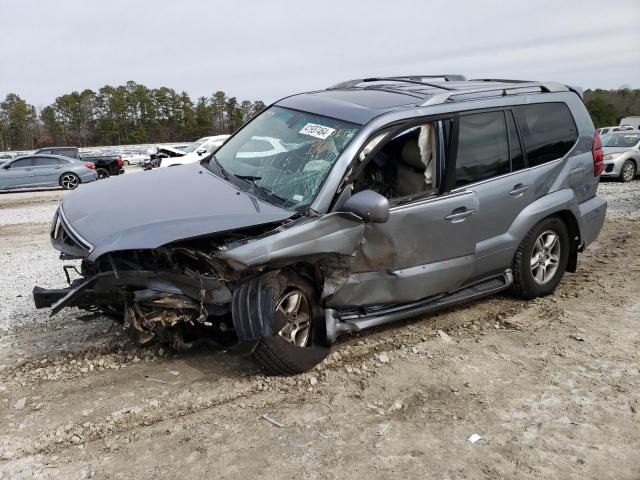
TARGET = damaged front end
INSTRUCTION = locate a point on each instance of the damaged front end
(181, 294)
(178, 294)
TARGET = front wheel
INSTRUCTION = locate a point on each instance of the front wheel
(541, 259)
(628, 171)
(288, 302)
(69, 181)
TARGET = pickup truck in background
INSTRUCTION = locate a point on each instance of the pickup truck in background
(107, 163)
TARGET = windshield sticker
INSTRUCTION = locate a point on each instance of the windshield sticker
(317, 131)
(297, 198)
(346, 132)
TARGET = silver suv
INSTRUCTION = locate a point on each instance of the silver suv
(385, 198)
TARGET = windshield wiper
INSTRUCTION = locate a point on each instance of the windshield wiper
(252, 179)
(225, 174)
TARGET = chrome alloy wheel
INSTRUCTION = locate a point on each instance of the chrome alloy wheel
(69, 181)
(294, 307)
(545, 257)
(628, 171)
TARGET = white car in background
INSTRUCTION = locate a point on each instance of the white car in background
(195, 151)
(618, 128)
(133, 158)
(259, 147)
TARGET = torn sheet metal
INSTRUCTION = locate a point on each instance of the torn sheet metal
(329, 235)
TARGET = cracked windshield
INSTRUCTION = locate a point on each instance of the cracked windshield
(284, 155)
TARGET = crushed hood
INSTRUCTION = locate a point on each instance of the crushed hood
(149, 209)
(176, 152)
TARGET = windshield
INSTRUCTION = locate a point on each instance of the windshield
(620, 139)
(193, 146)
(285, 154)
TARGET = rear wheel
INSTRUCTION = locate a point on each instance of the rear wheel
(289, 303)
(102, 173)
(628, 171)
(541, 259)
(69, 181)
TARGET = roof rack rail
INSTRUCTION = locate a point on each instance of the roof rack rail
(531, 87)
(499, 80)
(403, 78)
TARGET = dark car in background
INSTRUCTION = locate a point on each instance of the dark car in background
(107, 162)
(38, 171)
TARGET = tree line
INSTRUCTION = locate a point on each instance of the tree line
(134, 113)
(607, 107)
(128, 114)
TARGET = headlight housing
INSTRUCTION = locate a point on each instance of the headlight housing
(611, 156)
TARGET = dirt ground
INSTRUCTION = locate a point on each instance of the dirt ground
(552, 386)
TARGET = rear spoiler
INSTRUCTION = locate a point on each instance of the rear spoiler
(577, 90)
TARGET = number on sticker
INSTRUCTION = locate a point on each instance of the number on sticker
(317, 131)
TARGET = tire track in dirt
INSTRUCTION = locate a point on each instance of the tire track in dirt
(398, 339)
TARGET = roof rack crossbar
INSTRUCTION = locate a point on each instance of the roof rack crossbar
(403, 78)
(547, 87)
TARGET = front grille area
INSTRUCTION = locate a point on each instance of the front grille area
(68, 240)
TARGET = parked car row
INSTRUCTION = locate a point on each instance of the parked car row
(58, 167)
(107, 162)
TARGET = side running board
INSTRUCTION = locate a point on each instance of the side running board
(341, 322)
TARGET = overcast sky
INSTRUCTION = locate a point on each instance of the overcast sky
(269, 49)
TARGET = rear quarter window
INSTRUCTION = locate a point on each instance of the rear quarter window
(548, 131)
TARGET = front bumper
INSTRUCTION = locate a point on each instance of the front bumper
(612, 168)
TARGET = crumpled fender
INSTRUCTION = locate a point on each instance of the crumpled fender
(329, 235)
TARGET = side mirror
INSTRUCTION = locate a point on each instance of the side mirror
(369, 205)
(6, 167)
(201, 151)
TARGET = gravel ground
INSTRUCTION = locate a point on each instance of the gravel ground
(623, 198)
(552, 386)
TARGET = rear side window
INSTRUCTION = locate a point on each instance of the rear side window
(45, 161)
(548, 131)
(483, 149)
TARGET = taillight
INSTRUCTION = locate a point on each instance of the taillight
(119, 162)
(598, 156)
(90, 165)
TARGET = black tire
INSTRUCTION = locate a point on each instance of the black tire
(524, 284)
(69, 181)
(274, 354)
(628, 171)
(102, 173)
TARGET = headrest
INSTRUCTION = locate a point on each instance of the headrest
(411, 154)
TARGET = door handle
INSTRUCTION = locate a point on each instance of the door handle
(518, 190)
(459, 214)
(28, 169)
